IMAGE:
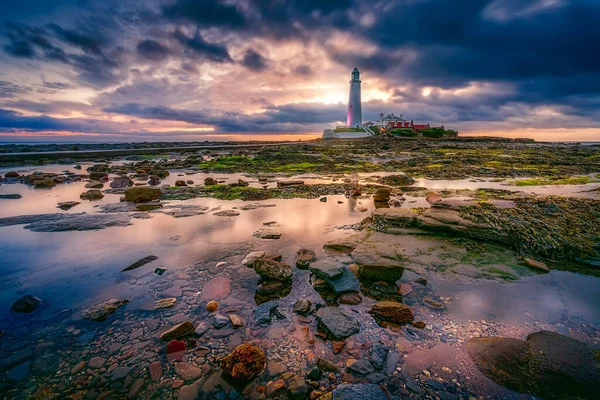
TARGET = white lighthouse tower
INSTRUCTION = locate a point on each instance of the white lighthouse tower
(354, 106)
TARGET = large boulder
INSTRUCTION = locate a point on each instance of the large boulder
(210, 182)
(391, 311)
(273, 270)
(244, 363)
(382, 195)
(27, 304)
(337, 323)
(547, 364)
(142, 194)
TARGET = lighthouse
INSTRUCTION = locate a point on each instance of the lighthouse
(354, 106)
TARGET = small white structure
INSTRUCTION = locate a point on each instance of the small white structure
(383, 121)
(354, 103)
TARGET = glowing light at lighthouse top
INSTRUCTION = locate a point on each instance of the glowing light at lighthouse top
(354, 102)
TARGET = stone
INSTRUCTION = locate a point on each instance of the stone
(242, 182)
(178, 331)
(218, 320)
(249, 260)
(142, 194)
(267, 233)
(298, 389)
(378, 354)
(344, 283)
(212, 306)
(337, 346)
(537, 265)
(96, 362)
(326, 365)
(94, 185)
(210, 182)
(273, 270)
(245, 362)
(119, 373)
(382, 195)
(93, 194)
(337, 322)
(156, 371)
(404, 289)
(226, 213)
(78, 368)
(236, 321)
(121, 183)
(391, 311)
(264, 313)
(11, 196)
(165, 303)
(12, 174)
(102, 311)
(358, 391)
(431, 303)
(140, 263)
(135, 388)
(323, 199)
(221, 264)
(327, 268)
(27, 304)
(19, 373)
(361, 367)
(376, 265)
(180, 183)
(547, 364)
(275, 389)
(376, 377)
(269, 287)
(275, 369)
(351, 298)
(217, 288)
(62, 222)
(187, 372)
(67, 205)
(304, 257)
(314, 374)
(302, 307)
(176, 349)
(433, 197)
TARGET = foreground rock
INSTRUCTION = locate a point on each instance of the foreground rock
(537, 265)
(547, 364)
(249, 260)
(304, 257)
(27, 304)
(12, 196)
(273, 270)
(67, 205)
(178, 331)
(62, 222)
(103, 310)
(140, 263)
(391, 311)
(337, 323)
(142, 194)
(244, 363)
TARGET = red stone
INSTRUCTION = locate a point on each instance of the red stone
(176, 350)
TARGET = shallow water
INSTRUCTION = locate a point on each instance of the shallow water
(74, 270)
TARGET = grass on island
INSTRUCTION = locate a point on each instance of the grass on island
(573, 180)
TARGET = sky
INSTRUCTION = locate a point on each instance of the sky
(182, 70)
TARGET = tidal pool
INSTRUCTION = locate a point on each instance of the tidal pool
(74, 270)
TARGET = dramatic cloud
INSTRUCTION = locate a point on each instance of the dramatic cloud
(180, 68)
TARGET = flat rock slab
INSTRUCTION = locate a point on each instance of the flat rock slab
(337, 322)
(327, 268)
(346, 282)
(226, 213)
(67, 222)
(217, 288)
